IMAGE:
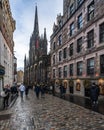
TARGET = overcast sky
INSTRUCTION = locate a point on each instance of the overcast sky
(23, 11)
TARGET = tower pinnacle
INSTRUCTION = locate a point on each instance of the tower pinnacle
(36, 26)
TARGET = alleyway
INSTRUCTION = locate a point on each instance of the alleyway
(49, 113)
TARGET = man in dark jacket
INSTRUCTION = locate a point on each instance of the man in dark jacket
(61, 90)
(94, 93)
(37, 90)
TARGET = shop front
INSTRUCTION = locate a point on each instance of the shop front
(65, 84)
(101, 85)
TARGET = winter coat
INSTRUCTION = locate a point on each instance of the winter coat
(37, 89)
(94, 93)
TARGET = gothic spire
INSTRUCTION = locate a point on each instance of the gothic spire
(36, 26)
(45, 41)
(45, 37)
(25, 61)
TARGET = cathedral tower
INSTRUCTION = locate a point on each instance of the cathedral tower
(36, 70)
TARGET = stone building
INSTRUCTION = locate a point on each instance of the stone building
(20, 75)
(36, 67)
(15, 70)
(7, 27)
(77, 46)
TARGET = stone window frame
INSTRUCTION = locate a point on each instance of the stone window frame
(102, 64)
(79, 45)
(65, 53)
(60, 39)
(65, 71)
(72, 29)
(80, 21)
(60, 72)
(90, 39)
(101, 32)
(71, 69)
(79, 2)
(71, 49)
(90, 9)
(80, 68)
(90, 66)
(60, 55)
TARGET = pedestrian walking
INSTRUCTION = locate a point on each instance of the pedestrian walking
(64, 91)
(26, 90)
(6, 90)
(42, 89)
(94, 93)
(14, 92)
(37, 90)
(61, 87)
(22, 90)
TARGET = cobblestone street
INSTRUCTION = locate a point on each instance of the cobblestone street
(49, 113)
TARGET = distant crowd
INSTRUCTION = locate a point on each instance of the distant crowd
(9, 93)
(39, 89)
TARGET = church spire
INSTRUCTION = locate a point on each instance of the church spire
(25, 61)
(45, 41)
(36, 26)
(45, 37)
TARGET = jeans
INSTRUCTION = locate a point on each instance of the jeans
(21, 92)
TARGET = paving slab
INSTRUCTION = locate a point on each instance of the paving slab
(49, 113)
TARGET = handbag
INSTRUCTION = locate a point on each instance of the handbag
(3, 94)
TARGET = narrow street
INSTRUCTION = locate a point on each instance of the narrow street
(49, 113)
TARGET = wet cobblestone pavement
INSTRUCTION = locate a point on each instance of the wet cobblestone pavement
(49, 113)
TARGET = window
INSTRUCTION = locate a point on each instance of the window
(71, 49)
(53, 73)
(54, 59)
(79, 2)
(71, 9)
(91, 11)
(79, 68)
(59, 72)
(54, 46)
(0, 4)
(80, 21)
(71, 69)
(71, 29)
(101, 32)
(90, 39)
(60, 55)
(102, 64)
(79, 45)
(60, 23)
(60, 40)
(90, 66)
(65, 71)
(65, 53)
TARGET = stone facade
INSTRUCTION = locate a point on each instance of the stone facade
(15, 70)
(77, 46)
(7, 27)
(20, 75)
